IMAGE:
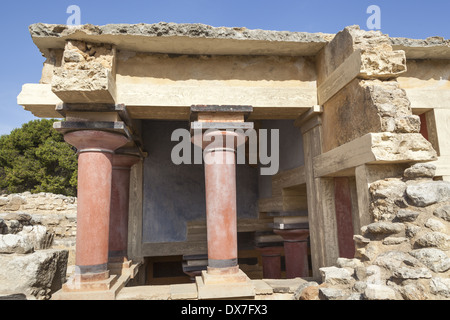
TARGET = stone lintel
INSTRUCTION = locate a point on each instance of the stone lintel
(220, 113)
(221, 125)
(374, 148)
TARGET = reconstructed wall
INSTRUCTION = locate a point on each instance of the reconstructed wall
(405, 253)
(57, 213)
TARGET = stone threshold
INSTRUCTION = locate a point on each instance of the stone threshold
(264, 289)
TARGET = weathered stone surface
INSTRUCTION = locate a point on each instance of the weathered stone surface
(413, 292)
(348, 263)
(387, 146)
(420, 48)
(379, 292)
(435, 259)
(394, 240)
(285, 285)
(435, 239)
(332, 294)
(145, 293)
(334, 275)
(411, 230)
(393, 260)
(29, 239)
(420, 170)
(382, 65)
(373, 275)
(440, 286)
(443, 213)
(435, 225)
(202, 39)
(307, 291)
(39, 274)
(15, 243)
(384, 227)
(3, 201)
(388, 188)
(412, 273)
(427, 193)
(407, 215)
(14, 203)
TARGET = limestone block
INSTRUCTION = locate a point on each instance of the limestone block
(382, 64)
(333, 275)
(3, 201)
(440, 286)
(37, 275)
(435, 225)
(427, 193)
(420, 170)
(29, 239)
(404, 215)
(379, 292)
(412, 273)
(433, 258)
(87, 74)
(15, 243)
(332, 294)
(443, 213)
(378, 57)
(392, 260)
(393, 147)
(384, 105)
(77, 86)
(383, 227)
(434, 239)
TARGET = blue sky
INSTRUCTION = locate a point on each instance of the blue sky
(22, 61)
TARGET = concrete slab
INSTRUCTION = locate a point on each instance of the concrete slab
(145, 293)
(225, 290)
(186, 291)
(285, 285)
(110, 294)
(261, 287)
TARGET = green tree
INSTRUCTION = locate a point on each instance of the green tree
(36, 158)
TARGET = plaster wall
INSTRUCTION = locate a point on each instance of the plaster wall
(427, 84)
(291, 151)
(175, 195)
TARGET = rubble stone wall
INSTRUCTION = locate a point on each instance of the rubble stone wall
(405, 253)
(57, 213)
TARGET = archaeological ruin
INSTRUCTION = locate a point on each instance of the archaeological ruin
(335, 185)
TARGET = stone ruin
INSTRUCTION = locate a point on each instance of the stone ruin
(404, 253)
(37, 232)
(365, 153)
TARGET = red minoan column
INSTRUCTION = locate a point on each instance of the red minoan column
(295, 252)
(344, 219)
(96, 149)
(221, 212)
(120, 196)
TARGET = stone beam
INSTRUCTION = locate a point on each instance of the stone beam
(374, 148)
(182, 39)
(363, 65)
(39, 100)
